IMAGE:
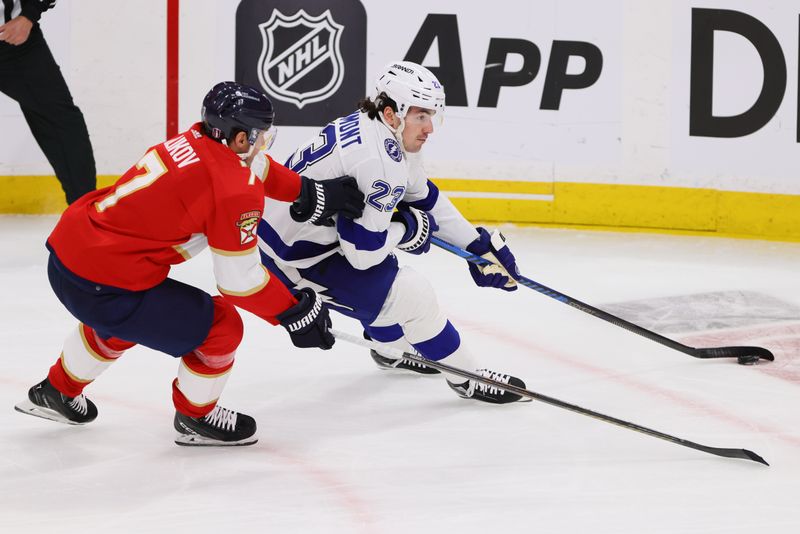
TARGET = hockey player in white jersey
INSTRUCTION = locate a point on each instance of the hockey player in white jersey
(351, 263)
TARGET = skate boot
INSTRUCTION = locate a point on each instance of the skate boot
(471, 389)
(385, 362)
(47, 402)
(221, 427)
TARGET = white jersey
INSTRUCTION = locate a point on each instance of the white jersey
(367, 150)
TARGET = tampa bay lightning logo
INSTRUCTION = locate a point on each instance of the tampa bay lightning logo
(393, 149)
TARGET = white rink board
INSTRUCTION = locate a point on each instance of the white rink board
(744, 163)
(630, 127)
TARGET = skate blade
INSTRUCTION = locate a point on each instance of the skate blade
(29, 408)
(192, 440)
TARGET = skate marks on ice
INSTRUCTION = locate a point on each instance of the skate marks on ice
(725, 318)
(702, 312)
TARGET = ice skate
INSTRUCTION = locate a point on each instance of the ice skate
(387, 363)
(471, 389)
(220, 428)
(402, 363)
(47, 402)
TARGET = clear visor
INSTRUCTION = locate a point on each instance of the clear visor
(419, 115)
(438, 118)
(262, 139)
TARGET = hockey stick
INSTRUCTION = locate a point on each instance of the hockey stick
(745, 355)
(743, 454)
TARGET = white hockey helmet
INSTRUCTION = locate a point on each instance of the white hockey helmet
(409, 84)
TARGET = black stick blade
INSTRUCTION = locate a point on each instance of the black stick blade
(746, 354)
(753, 456)
(742, 454)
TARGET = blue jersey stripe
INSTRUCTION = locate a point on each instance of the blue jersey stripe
(384, 334)
(359, 236)
(441, 345)
(427, 203)
(299, 250)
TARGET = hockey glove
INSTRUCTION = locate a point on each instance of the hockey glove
(320, 200)
(420, 226)
(503, 271)
(308, 322)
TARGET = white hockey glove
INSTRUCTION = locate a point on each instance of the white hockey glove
(503, 271)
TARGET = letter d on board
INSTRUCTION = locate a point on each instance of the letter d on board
(702, 122)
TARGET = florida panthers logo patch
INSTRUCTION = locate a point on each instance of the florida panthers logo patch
(247, 223)
(393, 149)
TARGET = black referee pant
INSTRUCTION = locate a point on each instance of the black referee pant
(30, 75)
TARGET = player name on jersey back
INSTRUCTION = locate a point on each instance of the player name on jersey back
(181, 151)
(349, 132)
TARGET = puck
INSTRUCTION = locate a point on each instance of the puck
(748, 359)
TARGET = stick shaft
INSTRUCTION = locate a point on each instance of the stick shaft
(728, 453)
(716, 352)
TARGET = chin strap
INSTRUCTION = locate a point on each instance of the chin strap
(244, 156)
(248, 156)
(398, 132)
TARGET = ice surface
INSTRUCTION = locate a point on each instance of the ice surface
(346, 448)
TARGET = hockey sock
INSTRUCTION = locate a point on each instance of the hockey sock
(84, 358)
(400, 344)
(203, 372)
(461, 358)
(446, 346)
(390, 336)
(197, 388)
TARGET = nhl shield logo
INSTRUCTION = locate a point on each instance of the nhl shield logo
(301, 61)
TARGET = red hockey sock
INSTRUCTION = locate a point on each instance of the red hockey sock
(196, 390)
(84, 357)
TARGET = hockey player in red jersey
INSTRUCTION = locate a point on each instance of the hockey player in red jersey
(112, 250)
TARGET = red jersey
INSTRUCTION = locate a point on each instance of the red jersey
(186, 193)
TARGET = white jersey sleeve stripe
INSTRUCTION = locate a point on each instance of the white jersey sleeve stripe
(241, 274)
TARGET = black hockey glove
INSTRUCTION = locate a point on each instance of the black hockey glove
(320, 200)
(308, 322)
(503, 271)
(420, 226)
